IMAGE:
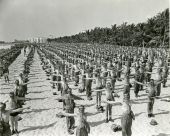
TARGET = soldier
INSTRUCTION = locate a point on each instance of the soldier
(165, 73)
(59, 80)
(151, 95)
(113, 78)
(25, 50)
(54, 78)
(76, 73)
(18, 91)
(89, 81)
(109, 97)
(127, 86)
(1, 67)
(14, 116)
(65, 89)
(104, 75)
(6, 73)
(5, 118)
(99, 92)
(136, 85)
(158, 81)
(127, 117)
(148, 69)
(69, 108)
(142, 76)
(83, 128)
(82, 88)
(119, 67)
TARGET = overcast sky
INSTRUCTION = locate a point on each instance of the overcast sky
(22, 19)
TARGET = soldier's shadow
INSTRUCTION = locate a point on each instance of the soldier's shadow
(94, 124)
(143, 95)
(162, 134)
(91, 114)
(38, 86)
(136, 115)
(163, 112)
(38, 127)
(168, 96)
(4, 93)
(35, 82)
(35, 110)
(38, 91)
(38, 98)
(136, 102)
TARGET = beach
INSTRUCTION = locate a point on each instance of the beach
(41, 119)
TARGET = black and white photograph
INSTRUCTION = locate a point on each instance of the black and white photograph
(84, 68)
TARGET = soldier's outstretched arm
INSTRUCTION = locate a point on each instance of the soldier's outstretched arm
(140, 83)
(68, 114)
(23, 98)
(160, 81)
(19, 109)
(150, 72)
(76, 97)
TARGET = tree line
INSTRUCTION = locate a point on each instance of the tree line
(153, 33)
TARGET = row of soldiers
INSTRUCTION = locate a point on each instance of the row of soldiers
(67, 62)
(6, 59)
(9, 118)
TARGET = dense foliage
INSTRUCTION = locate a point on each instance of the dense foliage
(154, 32)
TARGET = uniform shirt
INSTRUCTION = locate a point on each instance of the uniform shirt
(152, 91)
(109, 95)
(20, 80)
(13, 103)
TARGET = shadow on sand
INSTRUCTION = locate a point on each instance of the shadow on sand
(38, 86)
(163, 112)
(136, 115)
(91, 114)
(36, 110)
(37, 82)
(93, 124)
(162, 134)
(4, 93)
(37, 91)
(38, 98)
(38, 127)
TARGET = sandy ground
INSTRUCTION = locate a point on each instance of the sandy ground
(41, 119)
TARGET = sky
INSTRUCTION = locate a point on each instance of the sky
(23, 19)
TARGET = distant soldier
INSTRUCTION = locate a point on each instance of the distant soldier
(98, 93)
(127, 86)
(109, 97)
(148, 69)
(136, 85)
(165, 73)
(142, 76)
(76, 73)
(158, 81)
(89, 80)
(25, 50)
(6, 73)
(1, 67)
